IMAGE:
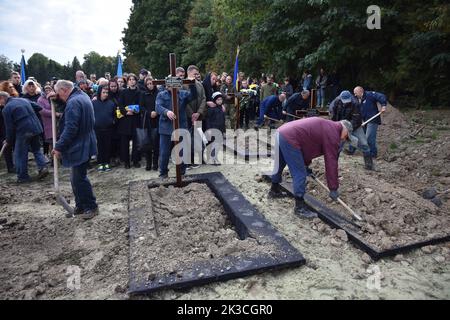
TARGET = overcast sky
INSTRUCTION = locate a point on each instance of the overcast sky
(62, 29)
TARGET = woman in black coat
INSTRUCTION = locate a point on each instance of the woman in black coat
(150, 121)
(129, 99)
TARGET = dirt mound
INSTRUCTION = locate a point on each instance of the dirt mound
(203, 230)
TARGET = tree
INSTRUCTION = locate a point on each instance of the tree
(95, 63)
(199, 41)
(75, 66)
(37, 67)
(155, 29)
(6, 67)
(409, 55)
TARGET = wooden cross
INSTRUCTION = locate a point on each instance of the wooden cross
(173, 83)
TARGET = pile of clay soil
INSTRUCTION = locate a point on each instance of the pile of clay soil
(392, 215)
(203, 231)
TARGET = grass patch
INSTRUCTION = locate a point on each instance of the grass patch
(419, 141)
(393, 146)
(434, 135)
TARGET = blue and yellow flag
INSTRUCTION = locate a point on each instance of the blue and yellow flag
(236, 69)
(119, 66)
(22, 70)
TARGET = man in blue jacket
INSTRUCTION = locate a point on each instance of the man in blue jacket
(166, 128)
(369, 108)
(22, 124)
(272, 107)
(77, 144)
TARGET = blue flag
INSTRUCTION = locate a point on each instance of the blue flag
(22, 70)
(119, 66)
(236, 69)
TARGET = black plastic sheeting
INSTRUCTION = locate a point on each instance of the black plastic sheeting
(247, 221)
(339, 221)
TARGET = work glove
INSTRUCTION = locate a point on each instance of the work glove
(334, 194)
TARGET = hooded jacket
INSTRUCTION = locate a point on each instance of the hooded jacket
(104, 112)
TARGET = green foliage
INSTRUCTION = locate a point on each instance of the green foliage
(155, 29)
(393, 146)
(6, 67)
(98, 64)
(198, 44)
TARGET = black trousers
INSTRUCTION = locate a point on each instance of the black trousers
(115, 146)
(152, 153)
(244, 113)
(125, 149)
(104, 144)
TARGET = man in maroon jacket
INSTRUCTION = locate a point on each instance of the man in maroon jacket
(299, 142)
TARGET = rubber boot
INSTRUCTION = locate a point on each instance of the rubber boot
(275, 192)
(368, 162)
(302, 210)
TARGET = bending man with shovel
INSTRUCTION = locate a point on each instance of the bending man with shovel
(301, 141)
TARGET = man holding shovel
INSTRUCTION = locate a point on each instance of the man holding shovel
(369, 109)
(298, 143)
(77, 144)
(346, 107)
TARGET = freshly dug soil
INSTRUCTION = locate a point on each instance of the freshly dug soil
(393, 216)
(203, 231)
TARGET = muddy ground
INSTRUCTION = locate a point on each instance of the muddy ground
(42, 252)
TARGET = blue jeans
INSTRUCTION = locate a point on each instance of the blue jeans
(165, 150)
(371, 134)
(321, 97)
(293, 158)
(362, 142)
(25, 144)
(82, 189)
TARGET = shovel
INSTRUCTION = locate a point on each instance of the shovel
(2, 151)
(59, 197)
(272, 119)
(374, 117)
(293, 116)
(339, 199)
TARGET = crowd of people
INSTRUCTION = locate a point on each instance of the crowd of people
(120, 110)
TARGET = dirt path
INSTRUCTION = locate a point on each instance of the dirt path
(42, 252)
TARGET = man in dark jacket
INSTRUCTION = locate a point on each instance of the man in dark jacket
(196, 110)
(346, 107)
(77, 144)
(369, 108)
(129, 99)
(15, 79)
(272, 107)
(23, 127)
(7, 153)
(298, 143)
(298, 101)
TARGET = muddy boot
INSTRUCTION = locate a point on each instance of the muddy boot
(368, 163)
(275, 192)
(302, 210)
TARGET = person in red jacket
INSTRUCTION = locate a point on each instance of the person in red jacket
(301, 141)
